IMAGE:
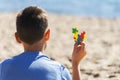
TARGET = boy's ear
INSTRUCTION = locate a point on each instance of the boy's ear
(47, 35)
(17, 38)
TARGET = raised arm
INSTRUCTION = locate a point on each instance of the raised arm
(77, 55)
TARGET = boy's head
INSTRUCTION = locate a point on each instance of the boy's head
(31, 24)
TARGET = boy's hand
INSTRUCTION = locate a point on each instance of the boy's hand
(78, 53)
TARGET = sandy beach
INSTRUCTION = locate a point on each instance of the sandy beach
(102, 61)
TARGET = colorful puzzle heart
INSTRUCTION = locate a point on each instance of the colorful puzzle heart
(78, 37)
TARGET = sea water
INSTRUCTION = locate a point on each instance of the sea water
(98, 8)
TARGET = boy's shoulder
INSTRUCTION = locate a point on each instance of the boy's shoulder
(5, 64)
(6, 61)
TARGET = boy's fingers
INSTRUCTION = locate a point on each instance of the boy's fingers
(75, 45)
(79, 47)
(83, 48)
(83, 45)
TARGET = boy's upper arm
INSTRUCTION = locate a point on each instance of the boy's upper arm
(0, 68)
(65, 73)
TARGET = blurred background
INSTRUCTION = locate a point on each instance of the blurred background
(99, 18)
(104, 8)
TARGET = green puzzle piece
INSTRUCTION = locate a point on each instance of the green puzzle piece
(74, 30)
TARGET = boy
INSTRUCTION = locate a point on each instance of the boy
(33, 64)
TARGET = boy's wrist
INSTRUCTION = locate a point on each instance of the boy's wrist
(75, 65)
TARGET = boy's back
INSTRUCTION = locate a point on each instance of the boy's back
(33, 33)
(33, 66)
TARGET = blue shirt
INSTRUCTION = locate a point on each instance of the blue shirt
(32, 66)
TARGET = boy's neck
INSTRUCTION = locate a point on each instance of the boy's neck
(39, 46)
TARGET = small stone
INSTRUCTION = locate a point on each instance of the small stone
(111, 76)
(88, 73)
(96, 75)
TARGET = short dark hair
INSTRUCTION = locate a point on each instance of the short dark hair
(31, 24)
